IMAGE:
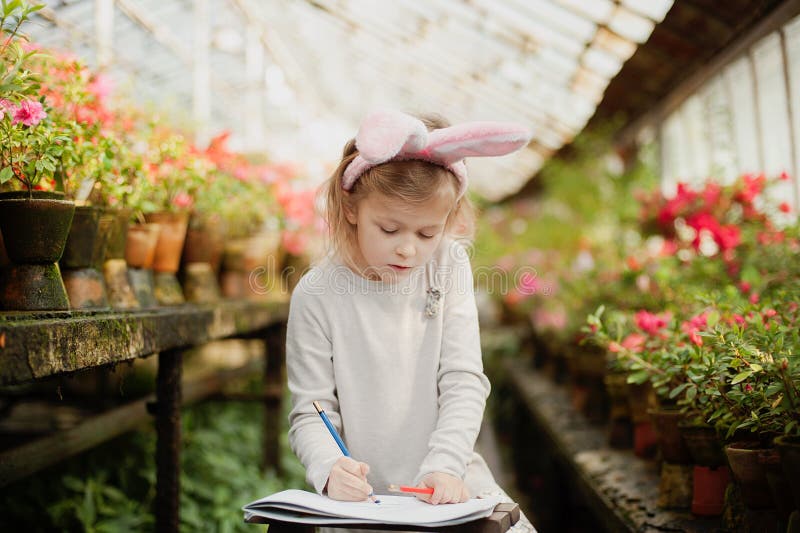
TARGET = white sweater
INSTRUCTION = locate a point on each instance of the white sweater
(406, 391)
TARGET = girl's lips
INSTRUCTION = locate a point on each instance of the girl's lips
(398, 267)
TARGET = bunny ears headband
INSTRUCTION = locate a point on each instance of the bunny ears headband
(391, 135)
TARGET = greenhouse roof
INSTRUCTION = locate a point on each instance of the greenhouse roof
(293, 77)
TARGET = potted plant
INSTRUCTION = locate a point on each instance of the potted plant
(171, 176)
(34, 219)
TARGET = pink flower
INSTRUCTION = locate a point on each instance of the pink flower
(669, 248)
(767, 314)
(101, 86)
(182, 200)
(634, 342)
(528, 284)
(29, 113)
(294, 242)
(651, 323)
(6, 107)
(738, 319)
(693, 326)
(754, 298)
(784, 176)
(748, 388)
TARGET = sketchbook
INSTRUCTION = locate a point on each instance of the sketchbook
(305, 507)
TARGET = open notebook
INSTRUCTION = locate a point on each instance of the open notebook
(305, 507)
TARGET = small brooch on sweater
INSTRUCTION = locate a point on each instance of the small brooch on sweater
(434, 302)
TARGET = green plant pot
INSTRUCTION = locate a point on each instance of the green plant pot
(88, 237)
(35, 230)
(117, 233)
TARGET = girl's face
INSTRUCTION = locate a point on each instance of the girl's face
(395, 237)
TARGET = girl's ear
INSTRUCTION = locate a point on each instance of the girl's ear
(350, 211)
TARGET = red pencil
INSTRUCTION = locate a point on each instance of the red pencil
(405, 488)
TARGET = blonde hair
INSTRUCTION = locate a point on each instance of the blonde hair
(410, 181)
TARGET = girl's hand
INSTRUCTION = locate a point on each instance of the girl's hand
(348, 480)
(446, 489)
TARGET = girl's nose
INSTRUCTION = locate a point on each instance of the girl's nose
(406, 250)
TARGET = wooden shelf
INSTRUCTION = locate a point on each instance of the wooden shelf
(620, 488)
(37, 345)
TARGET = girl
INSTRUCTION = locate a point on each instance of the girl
(384, 331)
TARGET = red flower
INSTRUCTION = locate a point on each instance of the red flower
(675, 206)
(651, 323)
(753, 185)
(744, 286)
(711, 195)
(785, 207)
(694, 325)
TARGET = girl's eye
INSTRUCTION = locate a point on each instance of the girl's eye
(422, 235)
(389, 231)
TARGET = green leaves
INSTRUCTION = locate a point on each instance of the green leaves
(6, 174)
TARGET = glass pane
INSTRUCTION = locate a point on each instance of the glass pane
(739, 81)
(773, 110)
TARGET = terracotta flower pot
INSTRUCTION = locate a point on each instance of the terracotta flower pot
(703, 444)
(140, 245)
(170, 240)
(670, 440)
(708, 490)
(205, 241)
(749, 474)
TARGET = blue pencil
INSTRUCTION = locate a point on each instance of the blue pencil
(337, 438)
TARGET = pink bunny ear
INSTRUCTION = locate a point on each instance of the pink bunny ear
(387, 135)
(384, 134)
(472, 139)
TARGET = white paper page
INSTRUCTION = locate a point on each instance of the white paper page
(290, 516)
(391, 510)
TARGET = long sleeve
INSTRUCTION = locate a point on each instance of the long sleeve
(462, 385)
(310, 376)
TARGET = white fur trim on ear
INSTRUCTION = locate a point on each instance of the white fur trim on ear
(384, 134)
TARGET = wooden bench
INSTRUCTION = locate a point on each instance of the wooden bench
(504, 516)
